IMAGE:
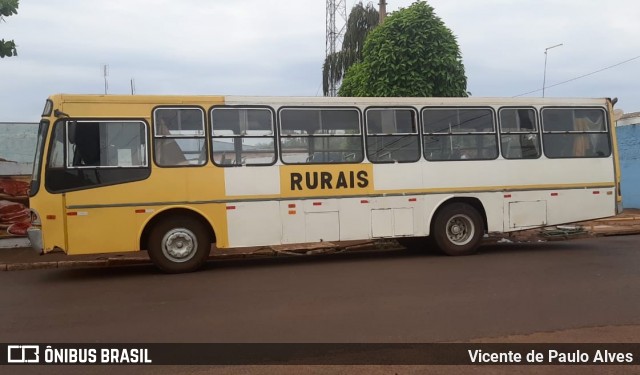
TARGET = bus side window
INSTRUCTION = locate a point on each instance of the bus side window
(392, 135)
(105, 144)
(242, 136)
(179, 138)
(519, 133)
(86, 142)
(56, 154)
(459, 134)
(575, 133)
(320, 135)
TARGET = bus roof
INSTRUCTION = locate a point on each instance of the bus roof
(340, 101)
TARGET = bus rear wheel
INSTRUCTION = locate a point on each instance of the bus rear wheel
(179, 244)
(458, 229)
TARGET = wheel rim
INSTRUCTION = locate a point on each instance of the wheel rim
(460, 229)
(179, 245)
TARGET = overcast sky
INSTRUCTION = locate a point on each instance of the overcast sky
(263, 47)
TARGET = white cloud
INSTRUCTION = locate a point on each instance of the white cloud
(253, 47)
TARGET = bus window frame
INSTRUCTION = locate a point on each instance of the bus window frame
(607, 130)
(495, 132)
(418, 133)
(538, 123)
(360, 135)
(154, 136)
(65, 122)
(67, 142)
(274, 128)
(39, 161)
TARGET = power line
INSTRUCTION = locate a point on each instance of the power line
(582, 76)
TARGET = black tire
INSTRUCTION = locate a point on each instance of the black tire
(458, 229)
(179, 244)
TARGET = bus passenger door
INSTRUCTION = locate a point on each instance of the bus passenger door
(51, 201)
(91, 176)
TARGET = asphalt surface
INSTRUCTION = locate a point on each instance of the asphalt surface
(521, 292)
(365, 297)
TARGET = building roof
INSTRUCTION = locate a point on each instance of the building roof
(630, 115)
(632, 118)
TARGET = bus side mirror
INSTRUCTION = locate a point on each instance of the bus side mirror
(58, 113)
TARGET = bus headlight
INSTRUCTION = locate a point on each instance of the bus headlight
(35, 218)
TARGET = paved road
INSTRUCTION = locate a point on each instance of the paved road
(512, 289)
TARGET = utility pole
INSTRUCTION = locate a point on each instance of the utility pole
(544, 77)
(382, 11)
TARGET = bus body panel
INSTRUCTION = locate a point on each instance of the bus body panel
(90, 215)
(50, 210)
(293, 203)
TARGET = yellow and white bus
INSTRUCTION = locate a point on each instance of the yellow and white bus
(174, 174)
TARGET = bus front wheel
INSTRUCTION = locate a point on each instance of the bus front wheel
(458, 229)
(179, 244)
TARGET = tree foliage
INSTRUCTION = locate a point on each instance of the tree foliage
(362, 19)
(8, 8)
(412, 53)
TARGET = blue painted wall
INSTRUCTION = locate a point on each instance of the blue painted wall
(629, 146)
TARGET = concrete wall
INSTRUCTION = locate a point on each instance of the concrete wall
(629, 145)
(18, 142)
(17, 149)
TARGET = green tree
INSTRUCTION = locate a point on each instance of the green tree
(412, 53)
(8, 8)
(362, 19)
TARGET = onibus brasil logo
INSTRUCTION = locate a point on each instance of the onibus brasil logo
(32, 354)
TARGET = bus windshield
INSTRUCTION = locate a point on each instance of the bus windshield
(37, 162)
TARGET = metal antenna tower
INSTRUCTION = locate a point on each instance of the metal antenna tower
(336, 11)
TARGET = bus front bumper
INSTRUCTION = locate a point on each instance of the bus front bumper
(35, 237)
